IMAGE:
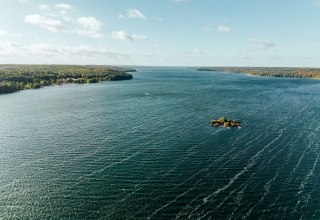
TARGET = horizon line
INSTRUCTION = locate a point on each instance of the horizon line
(161, 66)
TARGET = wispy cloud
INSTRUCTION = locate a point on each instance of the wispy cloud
(3, 32)
(65, 7)
(11, 49)
(90, 23)
(14, 49)
(81, 54)
(121, 16)
(44, 7)
(44, 22)
(122, 35)
(262, 44)
(57, 10)
(90, 27)
(133, 13)
(6, 33)
(223, 29)
(50, 18)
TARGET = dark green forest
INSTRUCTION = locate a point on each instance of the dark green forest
(289, 72)
(19, 77)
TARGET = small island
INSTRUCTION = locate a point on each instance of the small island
(222, 122)
(289, 72)
(20, 77)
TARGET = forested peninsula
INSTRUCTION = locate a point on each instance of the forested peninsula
(19, 77)
(290, 72)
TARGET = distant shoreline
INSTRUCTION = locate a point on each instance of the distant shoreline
(14, 78)
(287, 72)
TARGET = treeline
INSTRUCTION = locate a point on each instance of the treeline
(269, 71)
(19, 77)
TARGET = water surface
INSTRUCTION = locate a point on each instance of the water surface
(143, 148)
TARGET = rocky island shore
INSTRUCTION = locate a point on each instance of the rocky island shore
(222, 122)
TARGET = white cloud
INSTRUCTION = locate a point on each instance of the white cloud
(11, 49)
(132, 13)
(51, 50)
(44, 22)
(139, 37)
(44, 7)
(57, 11)
(223, 29)
(51, 18)
(135, 13)
(317, 3)
(43, 49)
(121, 16)
(82, 54)
(6, 33)
(3, 32)
(122, 35)
(90, 23)
(91, 26)
(64, 6)
(63, 9)
(262, 44)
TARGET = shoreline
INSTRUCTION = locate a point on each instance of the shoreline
(15, 78)
(280, 72)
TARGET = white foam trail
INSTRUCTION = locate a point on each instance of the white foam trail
(301, 158)
(169, 203)
(221, 158)
(251, 163)
(192, 153)
(266, 192)
(173, 137)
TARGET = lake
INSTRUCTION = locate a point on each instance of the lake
(144, 148)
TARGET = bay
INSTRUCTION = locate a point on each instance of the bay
(144, 148)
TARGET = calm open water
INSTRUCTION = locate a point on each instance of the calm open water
(143, 149)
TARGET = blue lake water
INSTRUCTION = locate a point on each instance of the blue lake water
(144, 148)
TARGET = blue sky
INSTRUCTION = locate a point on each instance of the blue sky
(161, 32)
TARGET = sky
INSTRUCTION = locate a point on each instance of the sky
(161, 32)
